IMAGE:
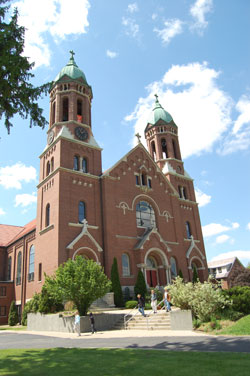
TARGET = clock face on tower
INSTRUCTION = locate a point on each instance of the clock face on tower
(81, 133)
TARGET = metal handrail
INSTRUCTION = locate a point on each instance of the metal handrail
(148, 316)
(129, 314)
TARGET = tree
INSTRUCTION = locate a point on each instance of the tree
(81, 281)
(13, 314)
(17, 94)
(140, 285)
(195, 275)
(180, 274)
(241, 278)
(116, 285)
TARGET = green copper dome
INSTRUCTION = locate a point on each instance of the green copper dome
(158, 113)
(71, 70)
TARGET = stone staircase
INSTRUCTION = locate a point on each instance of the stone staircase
(158, 321)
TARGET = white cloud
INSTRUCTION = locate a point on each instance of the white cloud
(202, 198)
(216, 228)
(172, 28)
(132, 8)
(2, 212)
(239, 138)
(25, 199)
(131, 27)
(13, 176)
(242, 255)
(248, 226)
(111, 54)
(222, 239)
(205, 108)
(58, 18)
(198, 11)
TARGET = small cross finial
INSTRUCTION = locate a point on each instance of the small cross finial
(72, 54)
(156, 97)
(138, 137)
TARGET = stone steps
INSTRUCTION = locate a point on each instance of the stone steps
(159, 321)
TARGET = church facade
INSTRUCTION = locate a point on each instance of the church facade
(142, 210)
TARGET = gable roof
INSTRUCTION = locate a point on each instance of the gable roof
(146, 236)
(220, 263)
(125, 158)
(9, 234)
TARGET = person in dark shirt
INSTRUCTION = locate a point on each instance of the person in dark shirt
(92, 322)
(141, 304)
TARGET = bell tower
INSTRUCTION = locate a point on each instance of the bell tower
(70, 166)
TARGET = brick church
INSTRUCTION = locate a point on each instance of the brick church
(142, 210)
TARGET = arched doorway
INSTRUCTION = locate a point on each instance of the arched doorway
(151, 272)
(197, 264)
(87, 253)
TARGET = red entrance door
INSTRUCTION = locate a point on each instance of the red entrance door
(151, 278)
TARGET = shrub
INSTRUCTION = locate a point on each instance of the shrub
(116, 285)
(204, 299)
(13, 314)
(130, 304)
(140, 285)
(240, 297)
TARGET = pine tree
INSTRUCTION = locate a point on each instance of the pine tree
(180, 274)
(13, 314)
(116, 285)
(17, 94)
(195, 275)
(140, 285)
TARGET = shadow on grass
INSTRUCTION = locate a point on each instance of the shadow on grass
(120, 362)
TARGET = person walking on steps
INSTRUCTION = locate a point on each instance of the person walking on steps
(92, 322)
(167, 297)
(141, 304)
(77, 323)
(154, 301)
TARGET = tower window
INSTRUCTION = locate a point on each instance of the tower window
(174, 149)
(52, 164)
(137, 180)
(149, 183)
(81, 212)
(47, 216)
(79, 110)
(53, 112)
(76, 163)
(164, 148)
(48, 168)
(188, 230)
(143, 179)
(153, 150)
(145, 216)
(84, 165)
(65, 112)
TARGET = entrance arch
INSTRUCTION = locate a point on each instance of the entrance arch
(157, 269)
(86, 252)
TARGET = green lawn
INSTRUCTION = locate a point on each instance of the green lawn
(5, 327)
(241, 327)
(121, 362)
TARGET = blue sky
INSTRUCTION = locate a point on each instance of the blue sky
(194, 53)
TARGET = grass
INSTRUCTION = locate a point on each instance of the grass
(241, 327)
(7, 327)
(120, 362)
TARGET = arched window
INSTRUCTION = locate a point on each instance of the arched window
(188, 230)
(81, 212)
(65, 109)
(76, 163)
(153, 150)
(125, 265)
(48, 168)
(53, 112)
(164, 148)
(31, 263)
(52, 164)
(174, 148)
(151, 263)
(173, 267)
(79, 110)
(143, 179)
(19, 268)
(84, 165)
(9, 269)
(47, 216)
(145, 216)
(184, 193)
